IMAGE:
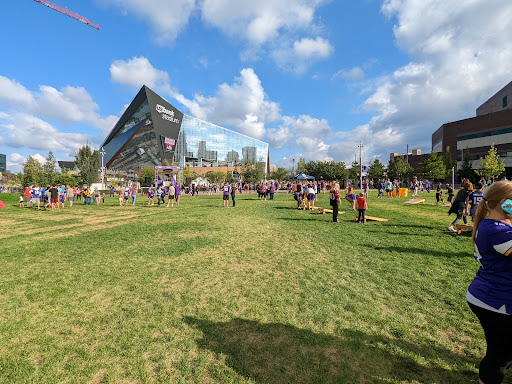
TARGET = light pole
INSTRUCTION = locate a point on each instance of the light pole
(293, 167)
(360, 165)
(102, 153)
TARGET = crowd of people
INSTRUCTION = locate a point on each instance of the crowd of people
(489, 205)
(54, 197)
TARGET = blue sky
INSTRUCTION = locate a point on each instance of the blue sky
(311, 77)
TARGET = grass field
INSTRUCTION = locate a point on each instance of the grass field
(260, 293)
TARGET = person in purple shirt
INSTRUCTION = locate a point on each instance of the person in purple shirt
(272, 191)
(475, 198)
(151, 195)
(126, 194)
(36, 196)
(490, 293)
(225, 194)
(263, 190)
(177, 194)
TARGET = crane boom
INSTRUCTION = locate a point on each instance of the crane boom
(69, 13)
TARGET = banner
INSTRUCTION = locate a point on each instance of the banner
(169, 144)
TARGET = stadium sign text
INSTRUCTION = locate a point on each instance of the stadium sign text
(166, 114)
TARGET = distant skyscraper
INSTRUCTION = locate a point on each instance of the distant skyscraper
(249, 153)
(233, 157)
(203, 153)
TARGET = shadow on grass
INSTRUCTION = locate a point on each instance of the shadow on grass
(278, 353)
(422, 251)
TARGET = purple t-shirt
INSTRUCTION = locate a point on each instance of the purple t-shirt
(493, 282)
(225, 189)
(474, 199)
(35, 193)
(178, 190)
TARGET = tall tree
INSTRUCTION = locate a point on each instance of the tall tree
(433, 167)
(32, 172)
(301, 165)
(399, 168)
(353, 172)
(253, 173)
(88, 162)
(467, 171)
(145, 173)
(448, 161)
(49, 170)
(376, 170)
(279, 174)
(340, 171)
(491, 166)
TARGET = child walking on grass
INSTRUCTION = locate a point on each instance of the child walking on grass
(439, 194)
(362, 206)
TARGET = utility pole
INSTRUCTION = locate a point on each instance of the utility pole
(360, 165)
(293, 167)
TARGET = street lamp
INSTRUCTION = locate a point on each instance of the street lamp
(102, 153)
(360, 165)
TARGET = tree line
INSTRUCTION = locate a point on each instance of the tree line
(86, 160)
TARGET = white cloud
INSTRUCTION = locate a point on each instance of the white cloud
(16, 158)
(279, 137)
(138, 71)
(41, 159)
(309, 48)
(456, 64)
(314, 148)
(167, 18)
(272, 25)
(12, 92)
(355, 73)
(243, 105)
(24, 130)
(306, 125)
(259, 21)
(68, 105)
(303, 53)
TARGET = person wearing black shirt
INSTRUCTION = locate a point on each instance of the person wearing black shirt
(54, 197)
(460, 205)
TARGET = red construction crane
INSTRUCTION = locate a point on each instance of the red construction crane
(69, 13)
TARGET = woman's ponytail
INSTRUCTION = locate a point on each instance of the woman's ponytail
(481, 212)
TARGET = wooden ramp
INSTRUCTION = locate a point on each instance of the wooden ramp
(415, 201)
(323, 211)
(373, 218)
(460, 227)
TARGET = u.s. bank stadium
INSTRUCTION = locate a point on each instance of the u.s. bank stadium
(152, 130)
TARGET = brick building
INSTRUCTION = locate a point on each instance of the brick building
(474, 136)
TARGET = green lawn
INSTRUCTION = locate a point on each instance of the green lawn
(260, 293)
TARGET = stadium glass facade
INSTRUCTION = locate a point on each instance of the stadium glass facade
(3, 163)
(204, 144)
(152, 130)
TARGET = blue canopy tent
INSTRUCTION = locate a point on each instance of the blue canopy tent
(303, 176)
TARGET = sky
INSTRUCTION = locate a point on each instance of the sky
(313, 78)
